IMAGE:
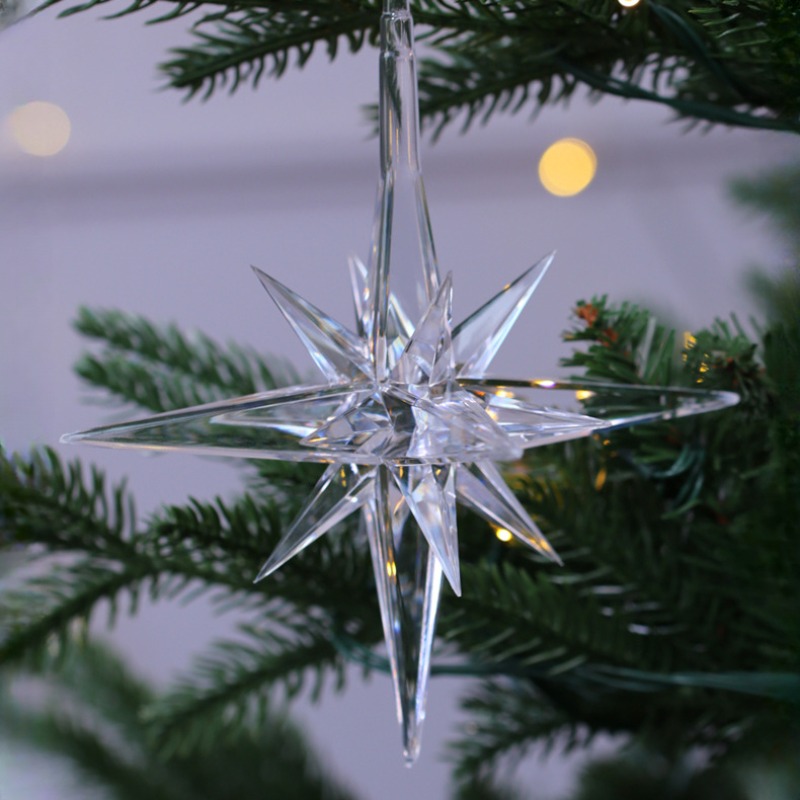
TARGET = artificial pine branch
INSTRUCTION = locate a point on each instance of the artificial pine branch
(487, 789)
(506, 719)
(217, 546)
(564, 624)
(55, 610)
(160, 368)
(235, 685)
(98, 722)
(46, 502)
(641, 774)
(672, 617)
(722, 64)
(232, 49)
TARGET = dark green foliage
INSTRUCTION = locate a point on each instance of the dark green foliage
(213, 547)
(160, 368)
(643, 774)
(508, 718)
(731, 62)
(96, 717)
(779, 191)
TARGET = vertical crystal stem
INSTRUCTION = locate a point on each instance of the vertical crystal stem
(402, 265)
(403, 259)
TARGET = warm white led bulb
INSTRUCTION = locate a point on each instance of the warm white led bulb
(40, 128)
(567, 167)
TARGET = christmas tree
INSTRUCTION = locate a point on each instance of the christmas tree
(673, 622)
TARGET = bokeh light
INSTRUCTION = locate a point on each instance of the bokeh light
(503, 534)
(628, 3)
(567, 167)
(40, 128)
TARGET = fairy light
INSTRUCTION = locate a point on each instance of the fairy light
(628, 3)
(689, 342)
(567, 167)
(40, 128)
(503, 534)
(600, 479)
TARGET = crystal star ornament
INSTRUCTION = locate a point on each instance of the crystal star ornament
(406, 419)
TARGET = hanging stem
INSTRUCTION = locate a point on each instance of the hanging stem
(402, 240)
(399, 115)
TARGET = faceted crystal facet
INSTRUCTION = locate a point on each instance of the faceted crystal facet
(407, 421)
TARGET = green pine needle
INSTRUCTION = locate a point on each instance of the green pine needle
(160, 368)
(95, 716)
(715, 63)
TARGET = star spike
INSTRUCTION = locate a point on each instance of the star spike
(429, 491)
(481, 488)
(399, 327)
(341, 491)
(477, 339)
(527, 423)
(408, 578)
(361, 297)
(336, 351)
(455, 426)
(428, 356)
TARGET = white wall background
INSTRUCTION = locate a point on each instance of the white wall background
(158, 208)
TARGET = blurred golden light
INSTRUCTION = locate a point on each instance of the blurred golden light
(503, 534)
(542, 544)
(583, 394)
(40, 128)
(629, 3)
(567, 167)
(600, 479)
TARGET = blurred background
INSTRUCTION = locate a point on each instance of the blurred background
(158, 207)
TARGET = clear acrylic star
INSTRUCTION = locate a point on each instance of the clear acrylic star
(403, 420)
(417, 431)
(403, 444)
(407, 419)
